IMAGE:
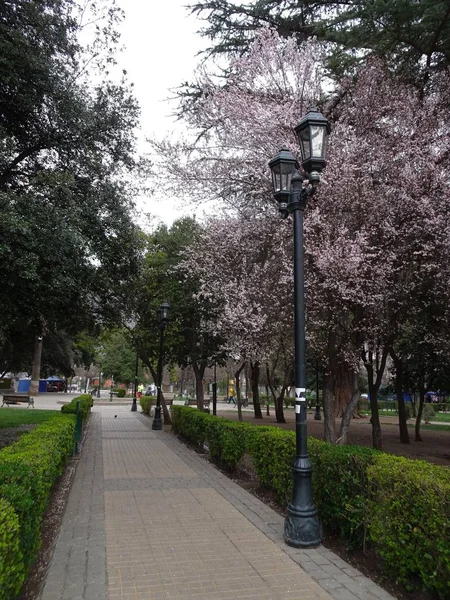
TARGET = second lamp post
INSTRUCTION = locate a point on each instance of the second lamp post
(302, 527)
(163, 319)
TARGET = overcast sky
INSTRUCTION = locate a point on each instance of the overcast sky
(161, 44)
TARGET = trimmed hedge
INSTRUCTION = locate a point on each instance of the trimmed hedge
(146, 403)
(86, 403)
(11, 565)
(410, 521)
(28, 470)
(400, 506)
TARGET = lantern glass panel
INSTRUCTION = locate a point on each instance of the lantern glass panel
(317, 141)
(281, 174)
(304, 144)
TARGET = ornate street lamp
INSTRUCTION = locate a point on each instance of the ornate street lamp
(302, 527)
(163, 320)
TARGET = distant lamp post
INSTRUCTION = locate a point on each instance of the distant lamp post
(131, 324)
(214, 391)
(163, 320)
(99, 384)
(302, 528)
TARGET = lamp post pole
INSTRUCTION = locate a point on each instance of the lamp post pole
(214, 391)
(134, 403)
(163, 310)
(302, 527)
(317, 415)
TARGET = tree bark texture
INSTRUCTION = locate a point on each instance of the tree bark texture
(349, 410)
(403, 427)
(374, 376)
(36, 368)
(199, 372)
(329, 432)
(166, 411)
(418, 436)
(237, 378)
(254, 374)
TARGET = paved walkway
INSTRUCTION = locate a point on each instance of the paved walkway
(149, 519)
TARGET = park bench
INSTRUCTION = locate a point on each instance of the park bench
(179, 402)
(15, 398)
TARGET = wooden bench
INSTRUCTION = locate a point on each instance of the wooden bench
(15, 398)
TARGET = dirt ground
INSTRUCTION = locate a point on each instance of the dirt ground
(435, 447)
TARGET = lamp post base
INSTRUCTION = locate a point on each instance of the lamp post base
(157, 423)
(134, 405)
(302, 528)
(317, 414)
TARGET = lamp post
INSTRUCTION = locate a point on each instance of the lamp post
(131, 325)
(163, 319)
(214, 391)
(302, 527)
(317, 415)
(135, 387)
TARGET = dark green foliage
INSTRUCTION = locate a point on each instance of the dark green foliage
(68, 244)
(146, 403)
(28, 470)
(86, 404)
(273, 452)
(340, 487)
(121, 392)
(186, 341)
(410, 521)
(11, 565)
(414, 36)
(400, 505)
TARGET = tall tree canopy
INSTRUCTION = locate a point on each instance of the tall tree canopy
(410, 32)
(68, 245)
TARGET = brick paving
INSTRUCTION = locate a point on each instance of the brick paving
(149, 519)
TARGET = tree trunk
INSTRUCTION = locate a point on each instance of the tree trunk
(342, 389)
(348, 413)
(254, 374)
(237, 378)
(419, 412)
(166, 412)
(199, 372)
(374, 386)
(36, 368)
(328, 409)
(403, 427)
(278, 400)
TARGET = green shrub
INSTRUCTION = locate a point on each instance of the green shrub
(288, 402)
(340, 487)
(226, 440)
(146, 403)
(28, 470)
(428, 413)
(410, 521)
(86, 404)
(12, 572)
(273, 452)
(121, 393)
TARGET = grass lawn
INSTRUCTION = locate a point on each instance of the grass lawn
(13, 417)
(438, 418)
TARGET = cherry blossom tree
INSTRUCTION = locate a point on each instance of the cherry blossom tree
(370, 231)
